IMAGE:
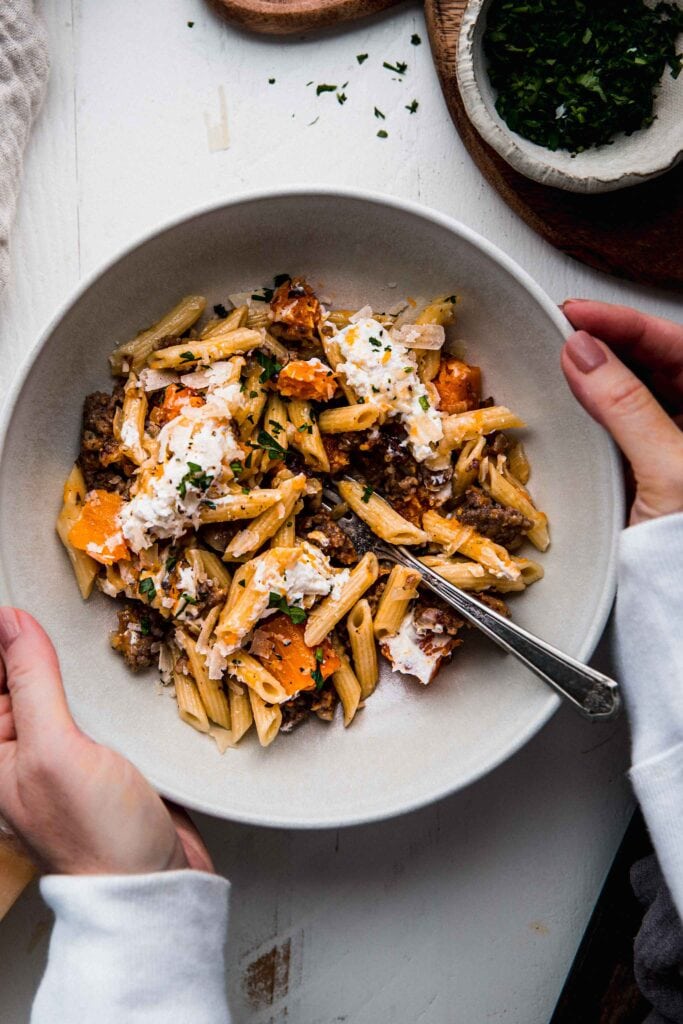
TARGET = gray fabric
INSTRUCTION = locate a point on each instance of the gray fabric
(658, 947)
(24, 66)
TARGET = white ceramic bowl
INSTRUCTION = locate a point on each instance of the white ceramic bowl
(411, 744)
(629, 160)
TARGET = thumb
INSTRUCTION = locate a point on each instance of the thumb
(32, 676)
(617, 399)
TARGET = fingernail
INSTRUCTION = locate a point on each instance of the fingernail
(567, 301)
(584, 351)
(10, 627)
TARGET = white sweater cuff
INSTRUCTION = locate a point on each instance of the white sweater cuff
(658, 784)
(139, 948)
(649, 633)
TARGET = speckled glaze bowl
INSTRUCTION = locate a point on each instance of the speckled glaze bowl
(628, 160)
(411, 744)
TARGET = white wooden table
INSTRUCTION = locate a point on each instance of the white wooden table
(467, 911)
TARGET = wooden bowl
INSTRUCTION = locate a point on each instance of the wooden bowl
(285, 17)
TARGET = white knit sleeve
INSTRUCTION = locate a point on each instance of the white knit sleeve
(144, 949)
(649, 632)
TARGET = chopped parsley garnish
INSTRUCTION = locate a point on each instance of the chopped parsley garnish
(187, 357)
(341, 98)
(306, 428)
(375, 342)
(319, 655)
(245, 490)
(147, 588)
(208, 504)
(171, 563)
(317, 677)
(378, 113)
(415, 39)
(424, 402)
(190, 24)
(220, 310)
(374, 389)
(195, 477)
(186, 599)
(381, 134)
(325, 88)
(270, 368)
(145, 626)
(572, 75)
(236, 467)
(271, 81)
(399, 67)
(412, 107)
(268, 444)
(277, 427)
(368, 491)
(296, 614)
(360, 57)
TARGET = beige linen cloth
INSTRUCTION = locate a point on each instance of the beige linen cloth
(24, 65)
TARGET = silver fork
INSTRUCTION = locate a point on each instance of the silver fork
(592, 694)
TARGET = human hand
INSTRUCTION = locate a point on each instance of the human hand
(615, 396)
(79, 807)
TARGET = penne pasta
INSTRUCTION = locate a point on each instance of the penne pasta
(362, 640)
(399, 591)
(85, 568)
(455, 536)
(332, 609)
(133, 355)
(251, 672)
(306, 435)
(464, 426)
(348, 418)
(379, 515)
(507, 493)
(346, 685)
(240, 711)
(267, 719)
(188, 354)
(190, 707)
(261, 529)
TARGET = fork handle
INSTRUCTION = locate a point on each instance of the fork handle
(591, 693)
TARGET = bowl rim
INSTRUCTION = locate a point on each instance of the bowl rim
(604, 600)
(503, 140)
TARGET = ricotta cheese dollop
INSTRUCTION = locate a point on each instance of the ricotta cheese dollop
(384, 372)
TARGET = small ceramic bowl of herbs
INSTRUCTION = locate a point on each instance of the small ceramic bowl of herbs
(583, 95)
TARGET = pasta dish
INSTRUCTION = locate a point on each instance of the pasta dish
(197, 502)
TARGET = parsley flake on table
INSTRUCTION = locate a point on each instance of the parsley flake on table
(415, 39)
(412, 107)
(361, 57)
(399, 67)
(341, 98)
(325, 88)
(378, 113)
(220, 311)
(271, 81)
(381, 134)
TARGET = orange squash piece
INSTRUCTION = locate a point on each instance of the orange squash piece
(175, 400)
(97, 530)
(307, 380)
(282, 650)
(297, 314)
(459, 386)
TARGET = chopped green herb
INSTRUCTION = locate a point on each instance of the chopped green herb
(236, 467)
(381, 134)
(147, 588)
(270, 368)
(271, 81)
(171, 563)
(325, 88)
(190, 24)
(375, 342)
(360, 57)
(415, 39)
(145, 626)
(208, 504)
(367, 494)
(424, 402)
(317, 677)
(270, 445)
(277, 427)
(399, 67)
(306, 428)
(412, 107)
(187, 357)
(319, 655)
(245, 490)
(195, 477)
(375, 389)
(341, 98)
(378, 113)
(573, 75)
(296, 614)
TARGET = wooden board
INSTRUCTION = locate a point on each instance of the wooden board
(634, 233)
